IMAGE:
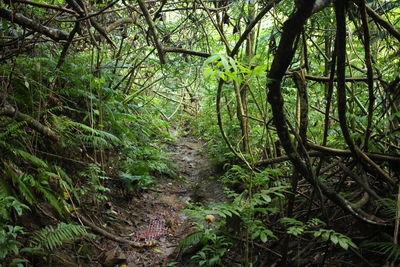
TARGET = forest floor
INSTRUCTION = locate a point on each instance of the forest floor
(154, 219)
(144, 228)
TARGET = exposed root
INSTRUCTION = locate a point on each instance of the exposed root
(113, 237)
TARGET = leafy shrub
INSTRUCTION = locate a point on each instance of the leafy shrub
(298, 228)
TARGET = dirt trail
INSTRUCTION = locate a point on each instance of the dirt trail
(159, 223)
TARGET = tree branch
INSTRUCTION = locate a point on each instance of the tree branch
(251, 25)
(153, 32)
(94, 23)
(10, 111)
(379, 20)
(118, 23)
(185, 51)
(347, 153)
(284, 55)
(48, 6)
(326, 79)
(23, 21)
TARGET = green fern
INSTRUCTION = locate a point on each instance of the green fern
(68, 129)
(5, 189)
(52, 109)
(100, 133)
(6, 204)
(27, 156)
(28, 185)
(13, 130)
(391, 250)
(19, 153)
(25, 189)
(191, 239)
(336, 238)
(53, 200)
(292, 221)
(315, 222)
(51, 237)
(95, 140)
(388, 206)
(298, 228)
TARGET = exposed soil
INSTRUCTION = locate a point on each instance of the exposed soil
(153, 223)
(155, 219)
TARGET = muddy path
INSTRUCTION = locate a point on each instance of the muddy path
(155, 219)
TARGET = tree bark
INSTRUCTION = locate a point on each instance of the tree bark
(23, 21)
(379, 20)
(284, 55)
(153, 32)
(10, 111)
(370, 73)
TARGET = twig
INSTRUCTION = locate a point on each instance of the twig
(48, 6)
(110, 236)
(153, 32)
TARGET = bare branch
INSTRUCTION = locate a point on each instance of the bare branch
(48, 6)
(326, 79)
(153, 32)
(118, 23)
(379, 20)
(23, 21)
(185, 51)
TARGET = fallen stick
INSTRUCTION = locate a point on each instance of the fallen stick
(110, 236)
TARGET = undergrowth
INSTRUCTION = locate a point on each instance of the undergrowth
(99, 137)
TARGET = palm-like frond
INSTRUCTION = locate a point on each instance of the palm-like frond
(52, 237)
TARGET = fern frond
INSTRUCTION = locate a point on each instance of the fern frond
(53, 201)
(96, 140)
(7, 203)
(24, 188)
(6, 145)
(191, 239)
(5, 189)
(27, 156)
(55, 108)
(100, 133)
(61, 172)
(23, 154)
(315, 222)
(51, 237)
(389, 206)
(13, 129)
(391, 250)
(109, 136)
(291, 221)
